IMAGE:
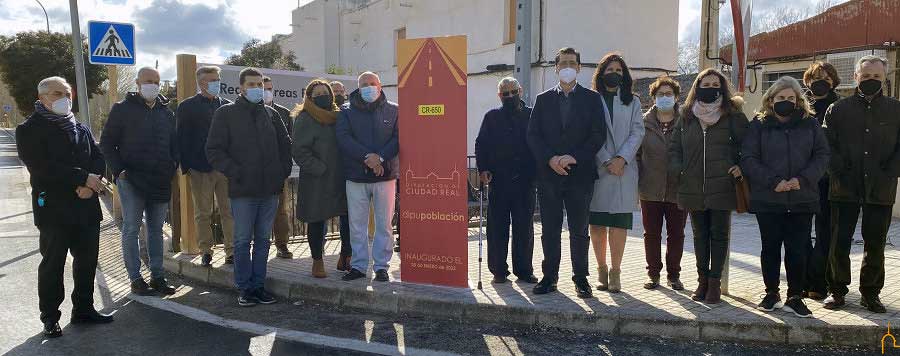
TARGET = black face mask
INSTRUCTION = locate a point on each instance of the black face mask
(820, 87)
(510, 102)
(870, 87)
(339, 99)
(323, 101)
(708, 95)
(784, 108)
(612, 79)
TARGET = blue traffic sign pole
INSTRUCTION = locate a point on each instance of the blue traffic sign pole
(83, 106)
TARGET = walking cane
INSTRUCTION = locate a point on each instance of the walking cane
(480, 229)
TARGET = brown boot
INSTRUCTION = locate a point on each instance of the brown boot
(602, 278)
(702, 286)
(318, 269)
(714, 293)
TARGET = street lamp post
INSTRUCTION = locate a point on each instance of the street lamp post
(45, 15)
(81, 82)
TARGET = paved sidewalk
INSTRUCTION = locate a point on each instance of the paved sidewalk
(634, 311)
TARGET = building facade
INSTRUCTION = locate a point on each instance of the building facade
(352, 36)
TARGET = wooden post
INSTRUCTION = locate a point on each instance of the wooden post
(183, 225)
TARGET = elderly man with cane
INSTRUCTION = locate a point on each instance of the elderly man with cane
(504, 161)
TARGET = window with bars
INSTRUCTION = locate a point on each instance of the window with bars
(771, 78)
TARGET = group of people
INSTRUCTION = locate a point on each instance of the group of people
(595, 157)
(591, 153)
(237, 156)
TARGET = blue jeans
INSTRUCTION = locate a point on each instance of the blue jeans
(253, 219)
(134, 210)
(382, 196)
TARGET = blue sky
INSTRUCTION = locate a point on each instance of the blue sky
(213, 29)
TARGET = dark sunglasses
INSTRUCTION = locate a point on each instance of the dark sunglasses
(510, 93)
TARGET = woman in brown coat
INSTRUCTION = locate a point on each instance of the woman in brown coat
(657, 186)
(321, 193)
(705, 153)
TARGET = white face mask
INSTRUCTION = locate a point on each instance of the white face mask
(62, 106)
(269, 96)
(567, 75)
(149, 91)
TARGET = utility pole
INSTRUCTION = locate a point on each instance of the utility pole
(83, 106)
(709, 34)
(522, 71)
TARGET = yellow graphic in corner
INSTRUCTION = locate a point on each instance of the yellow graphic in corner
(884, 338)
(431, 110)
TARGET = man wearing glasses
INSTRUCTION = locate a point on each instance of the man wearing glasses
(505, 162)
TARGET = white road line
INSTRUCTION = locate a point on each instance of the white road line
(280, 333)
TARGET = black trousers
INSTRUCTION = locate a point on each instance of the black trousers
(876, 220)
(793, 231)
(315, 235)
(56, 241)
(817, 266)
(511, 202)
(576, 200)
(712, 231)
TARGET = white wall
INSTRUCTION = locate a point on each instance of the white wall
(644, 31)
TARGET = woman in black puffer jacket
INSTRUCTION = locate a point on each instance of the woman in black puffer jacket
(784, 155)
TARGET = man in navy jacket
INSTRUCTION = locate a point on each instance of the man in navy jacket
(367, 137)
(208, 186)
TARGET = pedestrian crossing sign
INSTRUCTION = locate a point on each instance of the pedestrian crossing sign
(111, 43)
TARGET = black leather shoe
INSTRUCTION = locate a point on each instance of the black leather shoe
(499, 280)
(528, 279)
(382, 275)
(91, 317)
(545, 286)
(583, 288)
(873, 304)
(140, 287)
(834, 302)
(206, 260)
(52, 330)
(161, 286)
(354, 274)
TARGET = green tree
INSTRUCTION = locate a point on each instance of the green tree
(259, 54)
(28, 57)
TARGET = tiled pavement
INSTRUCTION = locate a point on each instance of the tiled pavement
(633, 311)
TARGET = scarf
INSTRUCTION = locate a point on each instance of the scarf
(708, 114)
(324, 117)
(66, 123)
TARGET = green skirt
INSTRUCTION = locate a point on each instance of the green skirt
(621, 221)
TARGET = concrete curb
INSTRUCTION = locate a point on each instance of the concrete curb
(387, 300)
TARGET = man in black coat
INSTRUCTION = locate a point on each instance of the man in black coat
(863, 132)
(209, 188)
(250, 145)
(282, 217)
(66, 170)
(567, 129)
(505, 164)
(141, 147)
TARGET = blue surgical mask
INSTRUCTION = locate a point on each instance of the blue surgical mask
(213, 88)
(665, 103)
(369, 93)
(254, 95)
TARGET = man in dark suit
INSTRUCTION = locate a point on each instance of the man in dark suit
(567, 129)
(65, 167)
